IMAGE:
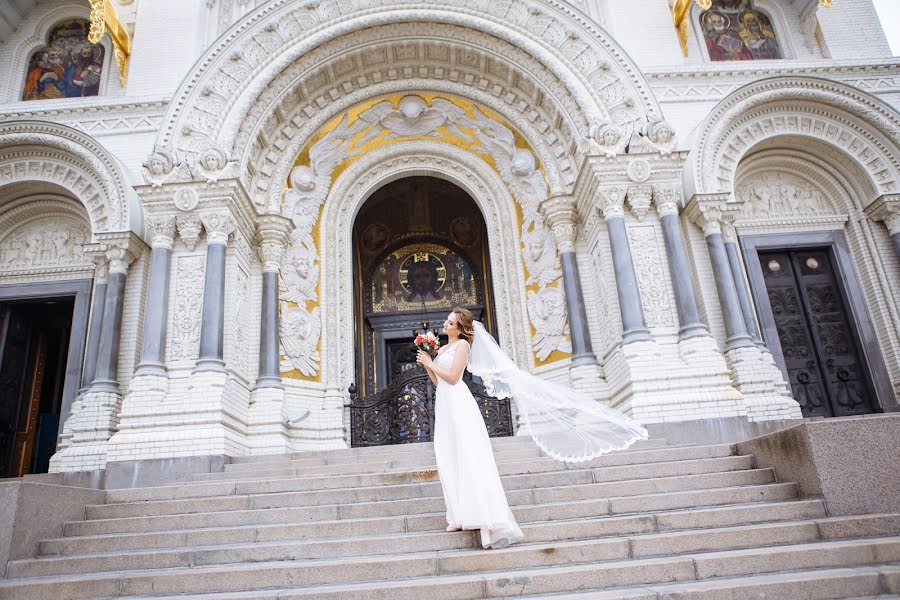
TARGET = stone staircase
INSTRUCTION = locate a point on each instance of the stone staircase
(653, 522)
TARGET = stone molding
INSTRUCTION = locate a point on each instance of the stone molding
(844, 117)
(707, 212)
(886, 208)
(562, 216)
(120, 247)
(57, 154)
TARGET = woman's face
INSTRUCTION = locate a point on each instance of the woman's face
(450, 327)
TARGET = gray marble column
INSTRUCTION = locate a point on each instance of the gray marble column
(272, 235)
(708, 215)
(156, 313)
(887, 209)
(219, 225)
(101, 278)
(632, 311)
(562, 217)
(740, 283)
(106, 376)
(690, 325)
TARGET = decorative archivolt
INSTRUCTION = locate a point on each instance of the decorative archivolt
(861, 126)
(225, 89)
(384, 122)
(52, 153)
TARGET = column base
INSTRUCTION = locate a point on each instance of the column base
(636, 335)
(739, 341)
(269, 382)
(86, 434)
(108, 386)
(586, 359)
(694, 330)
(151, 369)
(210, 365)
(266, 422)
(588, 379)
(766, 395)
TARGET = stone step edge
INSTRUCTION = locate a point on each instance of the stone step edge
(655, 514)
(481, 575)
(608, 500)
(638, 592)
(525, 545)
(424, 468)
(413, 485)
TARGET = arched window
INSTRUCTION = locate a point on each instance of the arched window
(67, 67)
(733, 30)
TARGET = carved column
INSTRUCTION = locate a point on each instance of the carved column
(887, 209)
(101, 280)
(162, 229)
(219, 226)
(120, 254)
(729, 236)
(611, 203)
(666, 198)
(707, 214)
(561, 216)
(272, 233)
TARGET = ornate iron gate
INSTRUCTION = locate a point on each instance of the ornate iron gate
(403, 412)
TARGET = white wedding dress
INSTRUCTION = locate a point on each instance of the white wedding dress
(465, 461)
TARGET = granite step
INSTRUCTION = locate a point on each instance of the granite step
(587, 543)
(285, 529)
(279, 494)
(246, 514)
(464, 573)
(540, 465)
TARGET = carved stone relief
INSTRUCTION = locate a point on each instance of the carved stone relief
(241, 320)
(653, 278)
(188, 288)
(779, 194)
(43, 244)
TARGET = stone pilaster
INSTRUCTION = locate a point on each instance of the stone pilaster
(765, 392)
(95, 414)
(887, 209)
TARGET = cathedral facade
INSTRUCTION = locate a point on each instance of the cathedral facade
(221, 222)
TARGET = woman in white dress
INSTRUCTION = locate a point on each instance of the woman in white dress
(565, 424)
(472, 489)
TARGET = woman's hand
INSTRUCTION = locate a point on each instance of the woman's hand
(423, 359)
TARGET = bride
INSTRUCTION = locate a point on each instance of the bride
(565, 425)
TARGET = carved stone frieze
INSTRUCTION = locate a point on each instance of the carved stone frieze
(639, 197)
(49, 243)
(780, 194)
(189, 229)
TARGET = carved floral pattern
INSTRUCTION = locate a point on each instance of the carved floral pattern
(653, 278)
(185, 335)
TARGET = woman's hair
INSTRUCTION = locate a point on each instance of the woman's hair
(464, 319)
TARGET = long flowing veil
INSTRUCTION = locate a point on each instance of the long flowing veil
(564, 423)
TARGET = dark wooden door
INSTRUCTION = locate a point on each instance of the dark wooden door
(15, 348)
(826, 370)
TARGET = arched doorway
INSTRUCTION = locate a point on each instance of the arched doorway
(420, 248)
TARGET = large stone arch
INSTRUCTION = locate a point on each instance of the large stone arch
(353, 188)
(39, 151)
(862, 128)
(578, 74)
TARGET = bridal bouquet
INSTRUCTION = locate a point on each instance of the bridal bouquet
(428, 342)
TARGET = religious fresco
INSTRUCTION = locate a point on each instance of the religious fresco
(734, 31)
(67, 67)
(422, 274)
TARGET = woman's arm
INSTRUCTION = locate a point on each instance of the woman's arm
(420, 358)
(456, 369)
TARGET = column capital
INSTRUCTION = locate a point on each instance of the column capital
(639, 197)
(95, 254)
(706, 211)
(610, 200)
(219, 225)
(189, 228)
(667, 197)
(162, 231)
(886, 208)
(272, 234)
(121, 249)
(562, 217)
